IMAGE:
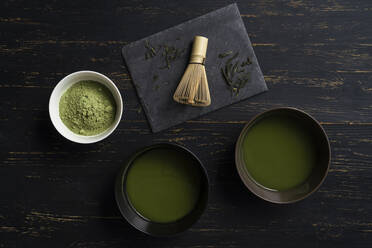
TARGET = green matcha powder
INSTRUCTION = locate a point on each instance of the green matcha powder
(87, 108)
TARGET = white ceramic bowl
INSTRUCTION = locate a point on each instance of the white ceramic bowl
(66, 83)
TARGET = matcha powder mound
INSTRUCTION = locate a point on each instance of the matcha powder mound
(87, 108)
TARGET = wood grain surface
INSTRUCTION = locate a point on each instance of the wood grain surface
(315, 55)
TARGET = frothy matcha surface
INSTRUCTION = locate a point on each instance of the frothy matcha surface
(87, 108)
(279, 152)
(163, 185)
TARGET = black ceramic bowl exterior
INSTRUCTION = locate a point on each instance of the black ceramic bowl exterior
(318, 174)
(154, 228)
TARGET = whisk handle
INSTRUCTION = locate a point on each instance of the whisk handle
(199, 50)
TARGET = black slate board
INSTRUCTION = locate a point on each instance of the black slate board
(226, 31)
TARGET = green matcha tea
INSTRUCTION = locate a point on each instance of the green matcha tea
(279, 153)
(87, 108)
(164, 184)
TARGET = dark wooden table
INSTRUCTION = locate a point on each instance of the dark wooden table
(315, 55)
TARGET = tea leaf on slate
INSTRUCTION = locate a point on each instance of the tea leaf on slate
(235, 78)
(223, 55)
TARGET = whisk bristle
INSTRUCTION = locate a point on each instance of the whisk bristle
(193, 88)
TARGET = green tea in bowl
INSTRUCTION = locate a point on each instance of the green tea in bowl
(87, 108)
(282, 155)
(163, 184)
(278, 152)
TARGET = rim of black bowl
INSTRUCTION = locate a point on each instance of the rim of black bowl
(141, 223)
(243, 133)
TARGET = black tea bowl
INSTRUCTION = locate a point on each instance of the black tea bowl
(154, 228)
(322, 158)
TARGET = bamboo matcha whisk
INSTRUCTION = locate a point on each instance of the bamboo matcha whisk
(193, 88)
